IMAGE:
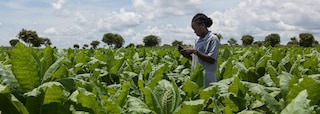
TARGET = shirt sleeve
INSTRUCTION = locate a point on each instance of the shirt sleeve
(213, 48)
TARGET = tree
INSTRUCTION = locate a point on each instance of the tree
(177, 43)
(306, 39)
(31, 37)
(46, 41)
(113, 40)
(258, 43)
(130, 45)
(293, 42)
(37, 42)
(232, 42)
(76, 46)
(272, 40)
(13, 42)
(28, 36)
(247, 39)
(315, 43)
(166, 45)
(151, 40)
(94, 44)
(85, 46)
(218, 35)
(139, 46)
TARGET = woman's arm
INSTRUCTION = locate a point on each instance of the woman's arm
(201, 55)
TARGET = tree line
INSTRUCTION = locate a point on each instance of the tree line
(111, 39)
(30, 37)
(114, 40)
(273, 39)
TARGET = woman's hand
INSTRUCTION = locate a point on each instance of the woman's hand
(187, 52)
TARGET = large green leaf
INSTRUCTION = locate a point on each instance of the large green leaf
(315, 77)
(9, 104)
(246, 74)
(197, 76)
(191, 107)
(285, 64)
(273, 74)
(191, 89)
(178, 93)
(249, 112)
(115, 66)
(311, 64)
(226, 54)
(226, 69)
(157, 75)
(47, 60)
(239, 92)
(7, 78)
(312, 88)
(166, 96)
(284, 82)
(85, 101)
(112, 107)
(295, 67)
(231, 104)
(262, 64)
(151, 100)
(50, 72)
(227, 110)
(299, 105)
(122, 98)
(68, 83)
(100, 56)
(272, 104)
(81, 58)
(147, 69)
(208, 92)
(237, 87)
(137, 106)
(276, 55)
(47, 98)
(24, 67)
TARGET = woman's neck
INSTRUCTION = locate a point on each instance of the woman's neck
(204, 34)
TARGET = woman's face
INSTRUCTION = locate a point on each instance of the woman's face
(198, 29)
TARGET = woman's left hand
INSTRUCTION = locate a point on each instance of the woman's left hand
(189, 50)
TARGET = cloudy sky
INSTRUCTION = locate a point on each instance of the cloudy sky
(68, 22)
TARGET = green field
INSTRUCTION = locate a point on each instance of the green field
(252, 80)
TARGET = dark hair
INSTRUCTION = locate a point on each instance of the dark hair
(201, 18)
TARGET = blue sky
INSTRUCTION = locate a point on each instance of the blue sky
(68, 22)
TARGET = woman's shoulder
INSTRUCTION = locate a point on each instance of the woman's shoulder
(213, 37)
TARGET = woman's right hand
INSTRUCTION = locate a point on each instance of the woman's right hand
(185, 54)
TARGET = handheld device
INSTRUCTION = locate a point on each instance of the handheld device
(180, 48)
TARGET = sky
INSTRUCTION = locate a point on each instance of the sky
(69, 22)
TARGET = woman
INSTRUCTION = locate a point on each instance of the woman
(206, 48)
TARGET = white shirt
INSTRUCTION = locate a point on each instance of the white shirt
(208, 45)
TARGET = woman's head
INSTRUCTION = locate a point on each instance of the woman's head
(200, 24)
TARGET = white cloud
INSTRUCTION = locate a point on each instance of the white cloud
(260, 18)
(50, 31)
(161, 8)
(118, 21)
(128, 32)
(80, 19)
(68, 23)
(58, 5)
(168, 33)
